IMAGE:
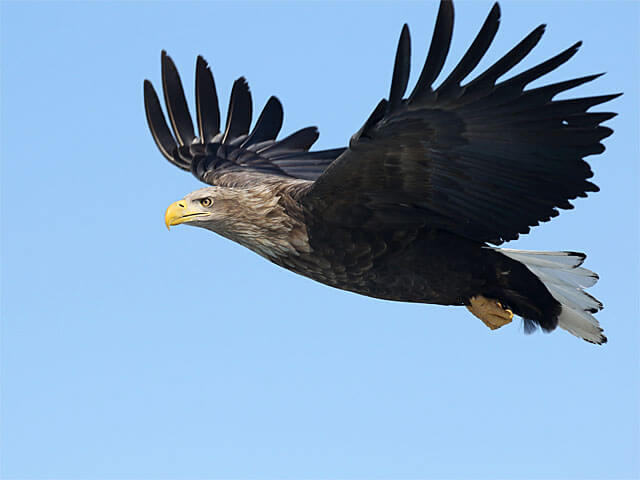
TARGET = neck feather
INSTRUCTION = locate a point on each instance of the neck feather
(264, 218)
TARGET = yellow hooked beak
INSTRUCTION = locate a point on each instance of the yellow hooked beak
(178, 213)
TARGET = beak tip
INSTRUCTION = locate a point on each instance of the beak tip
(171, 214)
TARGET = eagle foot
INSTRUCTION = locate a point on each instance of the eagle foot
(490, 311)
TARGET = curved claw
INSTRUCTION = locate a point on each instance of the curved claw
(490, 311)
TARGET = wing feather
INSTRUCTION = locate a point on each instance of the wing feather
(176, 102)
(235, 155)
(484, 160)
(300, 140)
(207, 105)
(401, 69)
(269, 123)
(240, 111)
(158, 125)
(438, 51)
(476, 51)
(485, 81)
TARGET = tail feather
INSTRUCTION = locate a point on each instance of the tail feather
(562, 274)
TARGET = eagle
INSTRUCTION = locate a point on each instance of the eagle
(415, 207)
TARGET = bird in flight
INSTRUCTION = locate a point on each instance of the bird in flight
(414, 208)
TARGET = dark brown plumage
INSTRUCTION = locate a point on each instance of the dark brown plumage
(407, 211)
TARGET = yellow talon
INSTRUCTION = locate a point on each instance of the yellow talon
(490, 311)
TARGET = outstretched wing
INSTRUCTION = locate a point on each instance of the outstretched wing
(213, 155)
(484, 160)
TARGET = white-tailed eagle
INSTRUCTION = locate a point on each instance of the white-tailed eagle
(413, 208)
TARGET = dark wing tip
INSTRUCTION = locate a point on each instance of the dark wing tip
(474, 54)
(597, 100)
(207, 107)
(158, 125)
(486, 80)
(269, 123)
(240, 110)
(176, 102)
(438, 51)
(165, 59)
(401, 69)
(300, 140)
(242, 81)
(276, 99)
(534, 37)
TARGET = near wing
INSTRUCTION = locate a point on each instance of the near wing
(484, 160)
(213, 155)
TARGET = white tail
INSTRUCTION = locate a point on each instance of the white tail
(566, 280)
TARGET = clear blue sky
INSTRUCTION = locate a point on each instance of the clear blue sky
(131, 352)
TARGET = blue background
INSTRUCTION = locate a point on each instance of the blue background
(131, 352)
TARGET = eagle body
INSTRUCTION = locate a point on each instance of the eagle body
(407, 265)
(415, 207)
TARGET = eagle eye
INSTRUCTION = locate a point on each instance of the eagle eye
(206, 202)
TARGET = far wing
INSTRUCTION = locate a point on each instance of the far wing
(484, 160)
(213, 155)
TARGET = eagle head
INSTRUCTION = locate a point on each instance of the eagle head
(206, 208)
(252, 217)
